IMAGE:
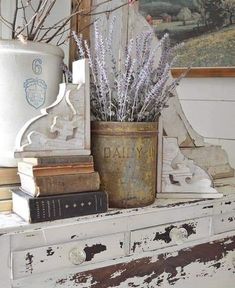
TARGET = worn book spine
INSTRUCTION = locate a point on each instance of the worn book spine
(29, 169)
(8, 176)
(60, 160)
(60, 206)
(5, 205)
(5, 193)
(60, 184)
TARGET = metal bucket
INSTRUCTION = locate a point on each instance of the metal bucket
(125, 155)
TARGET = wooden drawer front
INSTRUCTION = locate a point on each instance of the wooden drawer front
(168, 235)
(66, 255)
(224, 222)
(224, 207)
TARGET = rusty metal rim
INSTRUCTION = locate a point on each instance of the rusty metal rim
(136, 133)
(118, 123)
(101, 125)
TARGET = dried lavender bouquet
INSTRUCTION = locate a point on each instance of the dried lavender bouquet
(138, 89)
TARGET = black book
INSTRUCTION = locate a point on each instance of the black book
(55, 207)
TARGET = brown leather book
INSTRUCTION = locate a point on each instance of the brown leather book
(9, 176)
(59, 160)
(34, 171)
(55, 207)
(59, 184)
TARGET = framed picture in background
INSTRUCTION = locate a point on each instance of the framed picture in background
(207, 28)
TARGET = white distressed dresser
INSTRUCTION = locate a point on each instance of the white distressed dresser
(168, 244)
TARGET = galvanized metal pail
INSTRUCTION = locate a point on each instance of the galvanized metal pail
(125, 155)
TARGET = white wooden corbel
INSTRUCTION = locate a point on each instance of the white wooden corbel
(181, 177)
(63, 128)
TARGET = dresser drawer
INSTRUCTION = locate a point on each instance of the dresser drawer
(65, 255)
(224, 222)
(168, 235)
(225, 207)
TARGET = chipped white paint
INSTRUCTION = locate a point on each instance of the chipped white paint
(117, 273)
(56, 257)
(64, 127)
(181, 177)
(161, 236)
(5, 272)
(136, 282)
(224, 222)
(115, 230)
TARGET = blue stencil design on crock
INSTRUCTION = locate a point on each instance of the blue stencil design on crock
(35, 91)
(37, 66)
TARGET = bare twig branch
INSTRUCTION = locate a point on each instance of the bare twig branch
(61, 36)
(55, 26)
(66, 38)
(66, 30)
(24, 17)
(34, 27)
(31, 6)
(5, 20)
(43, 18)
(35, 12)
(15, 18)
(79, 32)
(5, 23)
(29, 22)
(62, 26)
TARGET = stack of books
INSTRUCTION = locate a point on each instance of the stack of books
(8, 179)
(58, 187)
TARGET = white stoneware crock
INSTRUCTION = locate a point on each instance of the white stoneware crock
(30, 74)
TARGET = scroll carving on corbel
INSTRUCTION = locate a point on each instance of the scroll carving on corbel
(63, 128)
(181, 177)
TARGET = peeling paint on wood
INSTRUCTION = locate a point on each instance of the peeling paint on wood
(135, 245)
(158, 237)
(127, 234)
(217, 265)
(9, 222)
(114, 213)
(165, 269)
(228, 203)
(56, 257)
(29, 263)
(94, 249)
(50, 252)
(181, 203)
(165, 236)
(231, 219)
(208, 207)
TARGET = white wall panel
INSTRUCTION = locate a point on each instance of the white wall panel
(209, 105)
(207, 89)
